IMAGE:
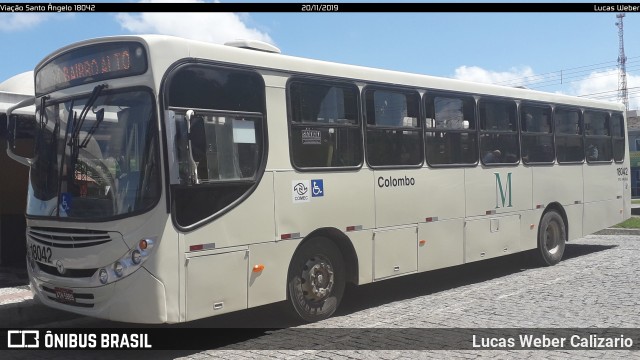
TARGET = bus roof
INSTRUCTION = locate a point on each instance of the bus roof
(172, 49)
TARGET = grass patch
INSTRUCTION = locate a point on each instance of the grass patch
(632, 223)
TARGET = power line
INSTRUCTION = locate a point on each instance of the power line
(561, 75)
(606, 92)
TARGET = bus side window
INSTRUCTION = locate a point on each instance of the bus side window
(324, 125)
(568, 132)
(617, 134)
(597, 136)
(498, 131)
(394, 136)
(219, 138)
(537, 135)
(450, 130)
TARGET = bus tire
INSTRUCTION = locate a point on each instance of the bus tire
(316, 279)
(552, 237)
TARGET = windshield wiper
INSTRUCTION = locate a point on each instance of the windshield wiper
(79, 120)
(43, 121)
(99, 118)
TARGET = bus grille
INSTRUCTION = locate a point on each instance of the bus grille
(68, 238)
(69, 273)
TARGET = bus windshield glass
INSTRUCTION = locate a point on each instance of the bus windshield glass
(96, 157)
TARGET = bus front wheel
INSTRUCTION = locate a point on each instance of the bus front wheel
(316, 279)
(552, 236)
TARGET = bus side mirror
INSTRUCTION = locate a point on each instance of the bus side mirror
(197, 137)
(21, 133)
(197, 142)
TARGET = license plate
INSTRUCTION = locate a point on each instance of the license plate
(65, 295)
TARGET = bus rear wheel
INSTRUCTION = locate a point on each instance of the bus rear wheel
(316, 279)
(552, 236)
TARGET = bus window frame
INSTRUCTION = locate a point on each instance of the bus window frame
(517, 132)
(614, 137)
(607, 114)
(366, 127)
(453, 94)
(163, 99)
(522, 133)
(557, 107)
(327, 81)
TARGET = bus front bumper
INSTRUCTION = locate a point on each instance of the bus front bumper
(140, 298)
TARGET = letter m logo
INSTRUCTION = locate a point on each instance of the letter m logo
(503, 193)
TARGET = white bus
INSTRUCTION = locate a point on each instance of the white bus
(174, 179)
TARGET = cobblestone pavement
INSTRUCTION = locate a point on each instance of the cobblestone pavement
(597, 285)
(15, 294)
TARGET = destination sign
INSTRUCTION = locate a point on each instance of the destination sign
(90, 64)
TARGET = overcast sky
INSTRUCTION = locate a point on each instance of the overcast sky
(572, 53)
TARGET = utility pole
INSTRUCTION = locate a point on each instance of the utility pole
(622, 60)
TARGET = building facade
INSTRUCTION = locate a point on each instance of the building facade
(634, 151)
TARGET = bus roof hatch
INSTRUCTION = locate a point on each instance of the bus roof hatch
(253, 45)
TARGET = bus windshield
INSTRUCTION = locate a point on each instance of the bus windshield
(96, 156)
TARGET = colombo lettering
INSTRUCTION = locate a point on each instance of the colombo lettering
(394, 182)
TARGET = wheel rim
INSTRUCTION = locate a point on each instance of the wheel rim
(552, 237)
(317, 279)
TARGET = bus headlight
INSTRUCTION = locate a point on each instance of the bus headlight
(104, 277)
(127, 264)
(118, 268)
(136, 258)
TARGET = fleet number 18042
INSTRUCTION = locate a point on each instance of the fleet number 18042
(41, 253)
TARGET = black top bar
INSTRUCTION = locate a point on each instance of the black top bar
(319, 7)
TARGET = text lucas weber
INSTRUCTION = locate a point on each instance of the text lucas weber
(616, 8)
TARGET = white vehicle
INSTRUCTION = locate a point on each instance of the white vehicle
(174, 179)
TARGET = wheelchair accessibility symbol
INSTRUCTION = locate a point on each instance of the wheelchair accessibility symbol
(302, 191)
(317, 188)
